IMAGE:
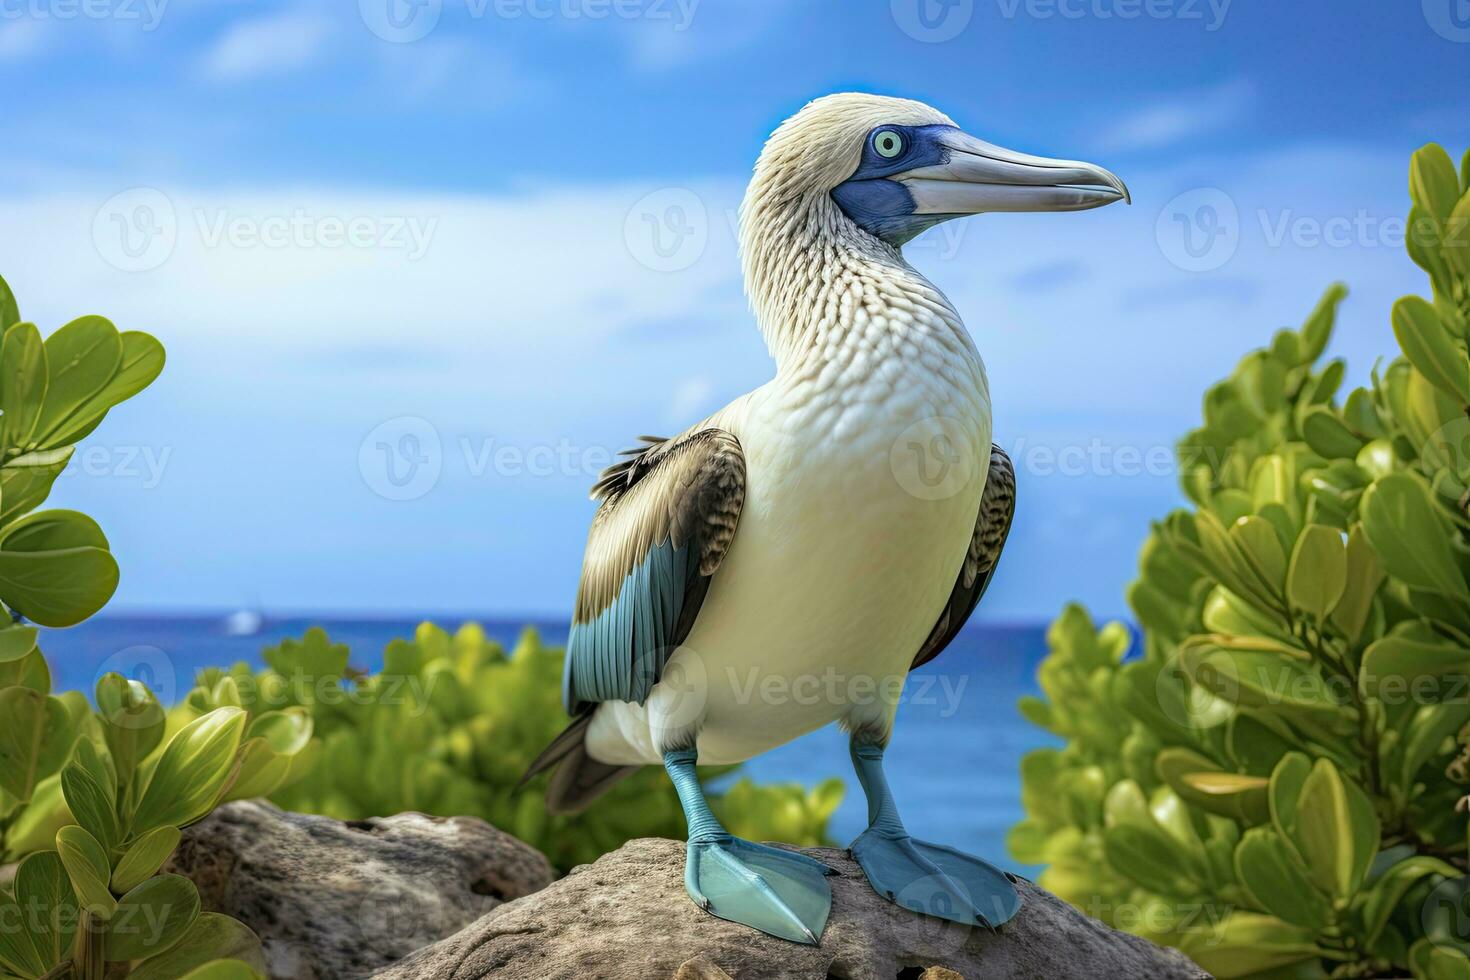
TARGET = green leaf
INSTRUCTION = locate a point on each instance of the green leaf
(43, 890)
(141, 362)
(142, 860)
(1248, 943)
(1456, 248)
(1148, 858)
(1430, 348)
(91, 795)
(16, 641)
(23, 379)
(1384, 896)
(212, 937)
(81, 357)
(1229, 794)
(1433, 184)
(1430, 960)
(132, 721)
(35, 736)
(222, 970)
(25, 482)
(1275, 880)
(9, 308)
(1258, 542)
(1396, 667)
(1364, 575)
(1429, 731)
(194, 771)
(1318, 574)
(55, 568)
(35, 827)
(1328, 436)
(1317, 331)
(89, 870)
(1336, 831)
(1411, 536)
(151, 918)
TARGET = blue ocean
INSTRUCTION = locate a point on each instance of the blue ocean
(953, 764)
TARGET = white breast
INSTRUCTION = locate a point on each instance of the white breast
(864, 476)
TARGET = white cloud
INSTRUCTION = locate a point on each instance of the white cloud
(267, 46)
(1182, 117)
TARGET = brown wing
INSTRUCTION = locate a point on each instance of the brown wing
(997, 507)
(667, 519)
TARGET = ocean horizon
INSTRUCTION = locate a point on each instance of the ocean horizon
(953, 763)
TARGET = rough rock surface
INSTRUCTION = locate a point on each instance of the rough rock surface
(332, 899)
(627, 916)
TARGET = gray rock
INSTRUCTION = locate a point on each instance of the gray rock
(627, 916)
(336, 900)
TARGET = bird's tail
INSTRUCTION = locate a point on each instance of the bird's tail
(579, 779)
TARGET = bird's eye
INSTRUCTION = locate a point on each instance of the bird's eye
(888, 144)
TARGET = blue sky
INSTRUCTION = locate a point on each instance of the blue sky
(420, 274)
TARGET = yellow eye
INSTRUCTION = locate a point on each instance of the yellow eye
(888, 144)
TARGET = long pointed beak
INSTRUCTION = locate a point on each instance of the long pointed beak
(980, 177)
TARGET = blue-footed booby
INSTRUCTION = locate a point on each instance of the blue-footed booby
(784, 563)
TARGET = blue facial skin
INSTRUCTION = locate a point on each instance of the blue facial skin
(881, 206)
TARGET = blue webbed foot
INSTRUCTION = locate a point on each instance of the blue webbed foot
(936, 880)
(781, 893)
(928, 878)
(778, 892)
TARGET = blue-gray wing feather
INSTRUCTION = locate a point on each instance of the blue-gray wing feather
(667, 518)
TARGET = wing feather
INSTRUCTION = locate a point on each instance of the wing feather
(997, 508)
(667, 517)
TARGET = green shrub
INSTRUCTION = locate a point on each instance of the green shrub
(1271, 784)
(448, 727)
(91, 801)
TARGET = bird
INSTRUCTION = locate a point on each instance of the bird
(786, 562)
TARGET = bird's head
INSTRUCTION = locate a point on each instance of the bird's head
(895, 167)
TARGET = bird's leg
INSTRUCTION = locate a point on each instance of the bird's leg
(928, 878)
(781, 893)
